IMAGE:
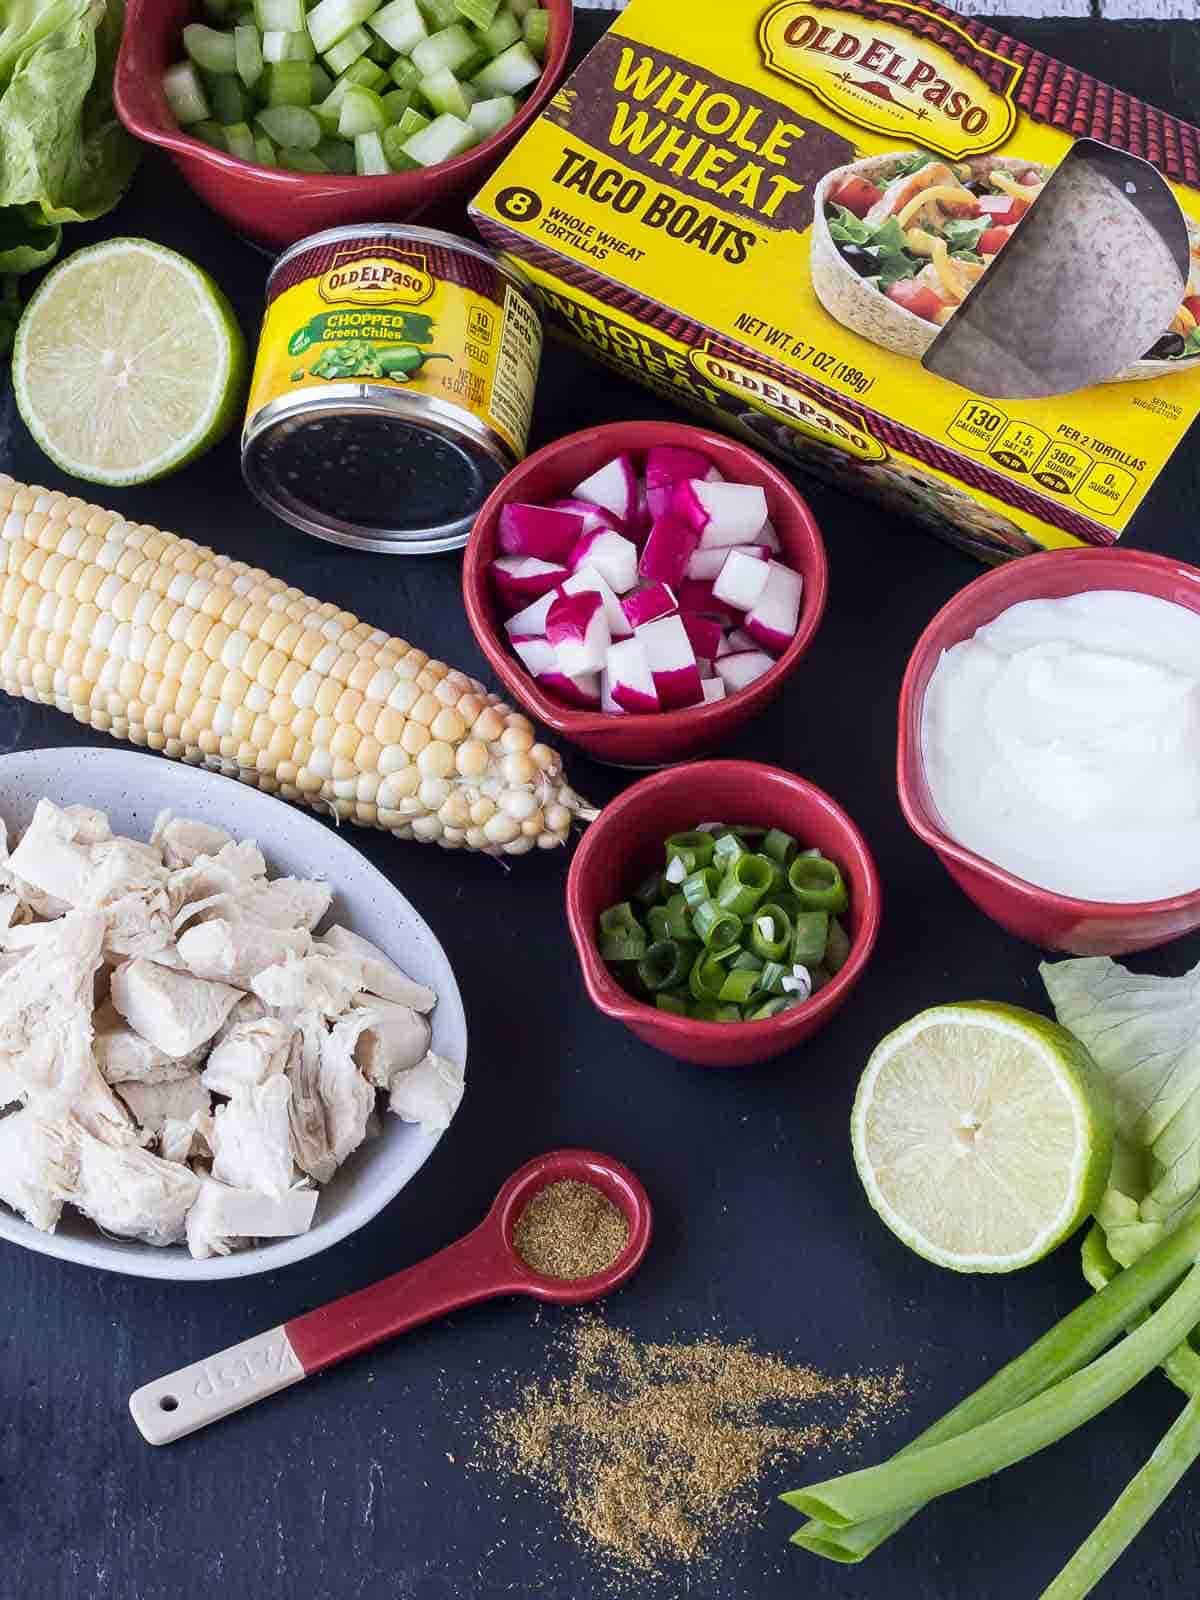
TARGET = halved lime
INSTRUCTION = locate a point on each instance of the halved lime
(982, 1134)
(128, 362)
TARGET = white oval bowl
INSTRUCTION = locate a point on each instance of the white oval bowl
(133, 789)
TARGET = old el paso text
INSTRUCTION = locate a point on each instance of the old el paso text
(707, 135)
(629, 196)
(913, 73)
(375, 277)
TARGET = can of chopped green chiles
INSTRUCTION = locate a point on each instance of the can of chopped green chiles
(393, 386)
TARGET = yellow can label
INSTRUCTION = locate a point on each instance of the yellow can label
(412, 313)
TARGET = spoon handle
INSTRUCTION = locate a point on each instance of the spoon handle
(477, 1267)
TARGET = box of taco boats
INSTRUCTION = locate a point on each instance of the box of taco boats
(892, 245)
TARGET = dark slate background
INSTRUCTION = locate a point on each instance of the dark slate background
(343, 1488)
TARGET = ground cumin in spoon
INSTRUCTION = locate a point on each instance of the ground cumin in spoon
(652, 1451)
(570, 1230)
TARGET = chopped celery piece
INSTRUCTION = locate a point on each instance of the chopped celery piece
(337, 155)
(411, 122)
(505, 30)
(369, 73)
(230, 102)
(362, 112)
(331, 20)
(211, 132)
(445, 137)
(489, 116)
(397, 103)
(278, 46)
(239, 141)
(480, 12)
(346, 51)
(283, 16)
(439, 13)
(320, 81)
(449, 48)
(185, 94)
(537, 31)
(293, 127)
(289, 83)
(398, 159)
(400, 24)
(297, 160)
(210, 48)
(444, 93)
(264, 151)
(247, 54)
(521, 8)
(512, 70)
(377, 50)
(403, 74)
(369, 159)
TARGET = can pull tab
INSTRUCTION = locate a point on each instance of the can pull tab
(1089, 281)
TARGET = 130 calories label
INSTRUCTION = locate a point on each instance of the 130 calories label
(1061, 466)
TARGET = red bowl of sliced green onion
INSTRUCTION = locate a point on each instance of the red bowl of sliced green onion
(723, 911)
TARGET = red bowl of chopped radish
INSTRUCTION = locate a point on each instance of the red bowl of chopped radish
(644, 588)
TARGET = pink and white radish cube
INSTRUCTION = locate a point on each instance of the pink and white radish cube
(613, 556)
(578, 629)
(587, 578)
(539, 531)
(531, 622)
(540, 660)
(741, 580)
(721, 513)
(704, 634)
(776, 614)
(741, 670)
(667, 551)
(653, 600)
(614, 486)
(707, 564)
(591, 516)
(714, 690)
(630, 680)
(669, 464)
(518, 580)
(672, 662)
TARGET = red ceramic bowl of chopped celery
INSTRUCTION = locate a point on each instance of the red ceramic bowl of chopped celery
(627, 844)
(636, 738)
(275, 205)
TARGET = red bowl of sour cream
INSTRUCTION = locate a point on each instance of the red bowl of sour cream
(1055, 921)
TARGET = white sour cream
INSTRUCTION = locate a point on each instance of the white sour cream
(1062, 742)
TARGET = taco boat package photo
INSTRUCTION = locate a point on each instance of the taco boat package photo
(917, 258)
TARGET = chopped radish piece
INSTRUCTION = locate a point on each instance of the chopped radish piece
(739, 671)
(704, 634)
(672, 662)
(721, 513)
(775, 616)
(767, 535)
(707, 564)
(538, 531)
(592, 517)
(520, 579)
(739, 639)
(531, 623)
(714, 689)
(607, 703)
(630, 681)
(696, 594)
(705, 668)
(587, 578)
(541, 662)
(669, 464)
(615, 487)
(641, 521)
(643, 605)
(668, 551)
(578, 629)
(728, 648)
(614, 557)
(742, 580)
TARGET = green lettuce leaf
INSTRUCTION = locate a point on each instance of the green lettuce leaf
(1144, 1035)
(913, 163)
(64, 156)
(845, 227)
(962, 234)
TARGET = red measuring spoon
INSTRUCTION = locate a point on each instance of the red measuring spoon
(481, 1266)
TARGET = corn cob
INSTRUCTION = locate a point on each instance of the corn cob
(160, 641)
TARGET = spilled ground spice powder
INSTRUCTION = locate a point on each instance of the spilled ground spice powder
(651, 1451)
(570, 1230)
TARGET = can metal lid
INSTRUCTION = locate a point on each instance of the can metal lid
(387, 472)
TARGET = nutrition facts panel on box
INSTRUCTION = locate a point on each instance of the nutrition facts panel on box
(515, 379)
(1054, 464)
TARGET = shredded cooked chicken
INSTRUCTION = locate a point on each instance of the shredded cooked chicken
(138, 982)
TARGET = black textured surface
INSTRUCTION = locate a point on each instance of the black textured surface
(344, 1488)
